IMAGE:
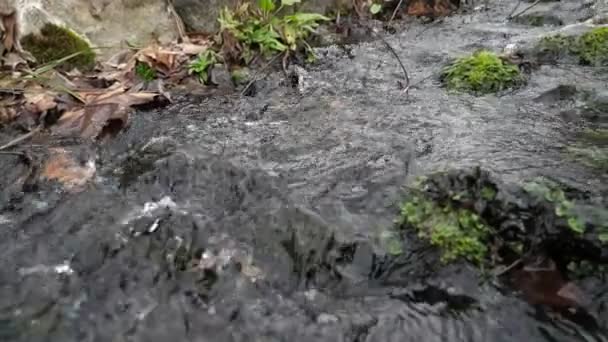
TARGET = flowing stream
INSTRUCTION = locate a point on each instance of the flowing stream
(253, 218)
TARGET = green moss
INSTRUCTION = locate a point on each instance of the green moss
(555, 47)
(459, 233)
(239, 76)
(145, 72)
(592, 47)
(54, 42)
(481, 73)
(488, 193)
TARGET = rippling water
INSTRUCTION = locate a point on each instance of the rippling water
(251, 219)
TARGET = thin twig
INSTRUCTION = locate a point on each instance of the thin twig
(508, 268)
(428, 27)
(19, 139)
(395, 11)
(524, 10)
(179, 23)
(514, 9)
(406, 85)
(10, 153)
(256, 73)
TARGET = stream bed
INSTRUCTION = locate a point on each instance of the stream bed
(255, 218)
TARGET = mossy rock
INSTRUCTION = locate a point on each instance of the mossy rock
(457, 232)
(54, 42)
(469, 215)
(481, 73)
(591, 48)
(538, 20)
(553, 48)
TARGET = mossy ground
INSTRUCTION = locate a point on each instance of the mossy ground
(459, 233)
(591, 48)
(465, 215)
(55, 42)
(481, 73)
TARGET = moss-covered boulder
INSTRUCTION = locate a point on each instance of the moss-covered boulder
(54, 42)
(458, 232)
(481, 73)
(469, 215)
(590, 48)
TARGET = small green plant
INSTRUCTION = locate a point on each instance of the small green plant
(260, 29)
(201, 65)
(375, 8)
(145, 72)
(55, 42)
(563, 207)
(459, 233)
(483, 72)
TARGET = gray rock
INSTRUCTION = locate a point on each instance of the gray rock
(201, 15)
(220, 76)
(103, 22)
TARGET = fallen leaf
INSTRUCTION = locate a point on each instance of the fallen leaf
(192, 49)
(40, 102)
(62, 167)
(544, 284)
(432, 8)
(13, 60)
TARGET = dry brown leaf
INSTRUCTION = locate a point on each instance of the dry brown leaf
(119, 60)
(192, 49)
(431, 8)
(162, 60)
(62, 167)
(102, 108)
(129, 99)
(89, 122)
(13, 60)
(7, 114)
(40, 102)
(573, 293)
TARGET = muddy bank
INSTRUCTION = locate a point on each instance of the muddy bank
(233, 218)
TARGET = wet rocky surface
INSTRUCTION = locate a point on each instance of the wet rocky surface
(256, 218)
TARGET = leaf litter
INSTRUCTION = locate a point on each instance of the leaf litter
(48, 104)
